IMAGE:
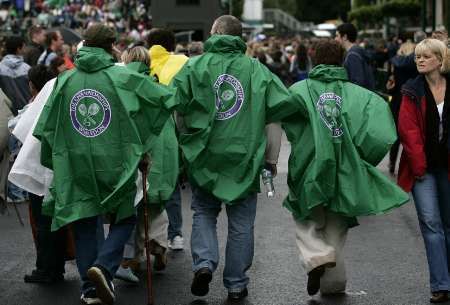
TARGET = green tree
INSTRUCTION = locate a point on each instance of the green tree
(237, 7)
(358, 3)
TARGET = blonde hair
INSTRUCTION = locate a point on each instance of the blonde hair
(406, 48)
(436, 47)
(138, 53)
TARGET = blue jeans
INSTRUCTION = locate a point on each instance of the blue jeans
(432, 200)
(240, 240)
(90, 250)
(173, 209)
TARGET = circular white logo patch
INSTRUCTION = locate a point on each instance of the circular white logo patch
(229, 96)
(90, 113)
(329, 106)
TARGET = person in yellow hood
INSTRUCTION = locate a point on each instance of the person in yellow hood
(164, 65)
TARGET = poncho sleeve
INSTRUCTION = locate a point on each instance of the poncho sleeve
(193, 117)
(181, 87)
(149, 108)
(377, 132)
(193, 114)
(279, 102)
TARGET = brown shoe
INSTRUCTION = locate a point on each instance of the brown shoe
(439, 297)
(133, 264)
(159, 252)
(314, 276)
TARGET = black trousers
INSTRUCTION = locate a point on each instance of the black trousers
(50, 246)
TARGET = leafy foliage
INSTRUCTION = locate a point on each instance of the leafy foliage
(370, 14)
(401, 8)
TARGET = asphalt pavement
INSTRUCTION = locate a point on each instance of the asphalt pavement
(385, 262)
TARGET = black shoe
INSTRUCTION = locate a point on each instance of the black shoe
(314, 279)
(103, 284)
(236, 296)
(200, 283)
(439, 297)
(90, 297)
(42, 277)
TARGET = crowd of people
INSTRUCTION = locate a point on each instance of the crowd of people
(80, 125)
(127, 17)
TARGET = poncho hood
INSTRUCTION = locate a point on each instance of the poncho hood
(165, 65)
(90, 59)
(327, 73)
(225, 44)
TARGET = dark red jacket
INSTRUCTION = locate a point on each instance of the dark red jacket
(411, 128)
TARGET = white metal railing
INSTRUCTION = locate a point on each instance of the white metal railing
(277, 16)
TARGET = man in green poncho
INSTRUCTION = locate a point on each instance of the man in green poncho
(226, 99)
(94, 129)
(340, 132)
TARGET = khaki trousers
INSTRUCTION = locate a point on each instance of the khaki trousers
(158, 224)
(320, 241)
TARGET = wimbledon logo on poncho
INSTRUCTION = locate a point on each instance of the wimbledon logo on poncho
(329, 106)
(229, 96)
(90, 113)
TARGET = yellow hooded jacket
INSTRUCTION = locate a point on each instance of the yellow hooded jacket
(165, 65)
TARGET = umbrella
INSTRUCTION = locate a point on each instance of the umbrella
(70, 36)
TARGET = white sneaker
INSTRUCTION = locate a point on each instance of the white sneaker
(125, 274)
(176, 243)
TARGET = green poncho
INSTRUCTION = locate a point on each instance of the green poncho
(339, 134)
(95, 127)
(164, 170)
(225, 99)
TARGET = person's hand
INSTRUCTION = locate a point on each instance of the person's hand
(390, 83)
(143, 164)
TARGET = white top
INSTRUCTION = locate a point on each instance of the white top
(440, 108)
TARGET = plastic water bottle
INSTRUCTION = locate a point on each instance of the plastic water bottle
(267, 180)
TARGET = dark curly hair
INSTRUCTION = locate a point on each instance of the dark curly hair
(39, 75)
(328, 52)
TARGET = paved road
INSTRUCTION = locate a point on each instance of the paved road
(384, 256)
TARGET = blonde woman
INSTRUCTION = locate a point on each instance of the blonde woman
(423, 129)
(136, 56)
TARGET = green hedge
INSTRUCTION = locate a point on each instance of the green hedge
(401, 8)
(366, 14)
(375, 13)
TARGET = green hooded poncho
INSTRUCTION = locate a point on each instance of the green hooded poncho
(225, 99)
(164, 170)
(339, 134)
(96, 125)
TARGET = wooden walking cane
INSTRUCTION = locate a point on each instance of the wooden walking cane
(144, 170)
